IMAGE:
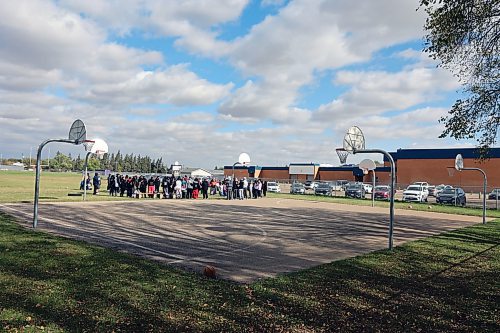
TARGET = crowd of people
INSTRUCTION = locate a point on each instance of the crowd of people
(167, 187)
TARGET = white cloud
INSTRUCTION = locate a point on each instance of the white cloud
(286, 50)
(375, 93)
(175, 85)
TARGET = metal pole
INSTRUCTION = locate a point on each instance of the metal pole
(393, 185)
(85, 175)
(485, 182)
(373, 188)
(37, 177)
(233, 167)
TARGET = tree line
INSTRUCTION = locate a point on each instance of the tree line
(115, 162)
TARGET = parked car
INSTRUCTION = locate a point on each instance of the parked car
(454, 196)
(323, 188)
(438, 189)
(355, 190)
(495, 194)
(416, 193)
(340, 185)
(431, 190)
(273, 187)
(423, 184)
(310, 185)
(368, 188)
(297, 188)
(382, 192)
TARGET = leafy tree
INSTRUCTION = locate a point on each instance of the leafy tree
(61, 162)
(93, 163)
(78, 163)
(465, 36)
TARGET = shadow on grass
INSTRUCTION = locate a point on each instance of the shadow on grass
(72, 286)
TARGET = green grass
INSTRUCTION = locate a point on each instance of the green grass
(448, 209)
(19, 186)
(444, 283)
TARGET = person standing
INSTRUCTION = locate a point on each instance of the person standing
(229, 188)
(157, 186)
(196, 188)
(241, 189)
(204, 188)
(117, 184)
(96, 181)
(151, 187)
(111, 185)
(264, 188)
(165, 184)
(178, 188)
(245, 188)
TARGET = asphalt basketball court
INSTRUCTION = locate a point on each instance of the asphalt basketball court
(244, 240)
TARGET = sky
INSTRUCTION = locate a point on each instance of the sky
(200, 81)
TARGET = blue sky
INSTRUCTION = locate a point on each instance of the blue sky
(199, 81)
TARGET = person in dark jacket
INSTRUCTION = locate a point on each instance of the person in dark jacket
(204, 188)
(151, 187)
(96, 181)
(157, 186)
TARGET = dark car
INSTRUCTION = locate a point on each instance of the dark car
(297, 188)
(495, 194)
(453, 196)
(355, 191)
(382, 192)
(323, 189)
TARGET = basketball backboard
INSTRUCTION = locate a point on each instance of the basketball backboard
(367, 164)
(244, 159)
(354, 139)
(459, 162)
(77, 132)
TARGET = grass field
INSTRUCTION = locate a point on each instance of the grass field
(444, 283)
(19, 186)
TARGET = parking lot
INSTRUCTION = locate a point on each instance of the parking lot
(473, 199)
(244, 240)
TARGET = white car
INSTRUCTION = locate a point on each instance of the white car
(273, 187)
(423, 184)
(416, 193)
(310, 185)
(368, 188)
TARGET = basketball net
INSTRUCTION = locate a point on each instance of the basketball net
(88, 144)
(342, 153)
(451, 171)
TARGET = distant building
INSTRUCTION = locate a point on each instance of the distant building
(412, 165)
(195, 173)
(12, 167)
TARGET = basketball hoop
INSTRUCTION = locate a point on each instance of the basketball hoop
(88, 144)
(343, 154)
(451, 171)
